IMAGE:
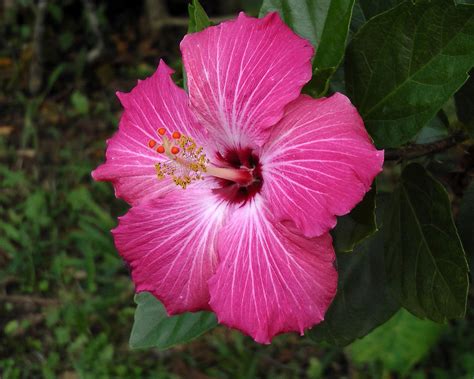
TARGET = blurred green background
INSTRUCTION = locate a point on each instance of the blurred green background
(66, 300)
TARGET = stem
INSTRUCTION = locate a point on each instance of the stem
(413, 151)
(36, 67)
(93, 21)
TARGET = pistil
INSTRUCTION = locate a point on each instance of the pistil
(187, 162)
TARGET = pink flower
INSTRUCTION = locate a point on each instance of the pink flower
(265, 171)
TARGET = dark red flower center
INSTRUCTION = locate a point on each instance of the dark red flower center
(244, 159)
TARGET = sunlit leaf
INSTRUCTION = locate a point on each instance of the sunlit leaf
(154, 328)
(398, 344)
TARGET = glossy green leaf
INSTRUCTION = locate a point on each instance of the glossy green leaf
(198, 19)
(399, 344)
(465, 224)
(363, 300)
(355, 226)
(325, 23)
(154, 328)
(425, 260)
(404, 64)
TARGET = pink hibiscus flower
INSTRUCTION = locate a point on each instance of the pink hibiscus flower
(265, 170)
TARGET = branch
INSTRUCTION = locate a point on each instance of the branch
(36, 67)
(159, 17)
(414, 151)
(22, 299)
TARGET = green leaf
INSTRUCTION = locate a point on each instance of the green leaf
(325, 23)
(363, 298)
(464, 101)
(425, 260)
(80, 103)
(465, 224)
(198, 19)
(372, 8)
(404, 64)
(154, 328)
(356, 226)
(399, 344)
(435, 130)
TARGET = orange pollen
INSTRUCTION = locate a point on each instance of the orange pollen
(160, 149)
(162, 131)
(151, 143)
(176, 135)
(174, 150)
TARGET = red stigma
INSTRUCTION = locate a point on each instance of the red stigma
(151, 143)
(162, 131)
(160, 149)
(176, 135)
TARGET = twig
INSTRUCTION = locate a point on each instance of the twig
(183, 21)
(414, 151)
(36, 67)
(93, 21)
(21, 299)
(159, 17)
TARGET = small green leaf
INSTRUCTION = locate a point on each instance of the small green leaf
(325, 23)
(198, 19)
(404, 64)
(399, 344)
(80, 103)
(154, 328)
(356, 226)
(363, 299)
(426, 264)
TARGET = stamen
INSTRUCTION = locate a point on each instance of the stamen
(160, 149)
(187, 162)
(174, 150)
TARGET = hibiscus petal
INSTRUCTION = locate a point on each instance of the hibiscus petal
(170, 245)
(270, 278)
(154, 103)
(242, 73)
(319, 162)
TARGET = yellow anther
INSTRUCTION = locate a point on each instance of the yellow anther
(185, 165)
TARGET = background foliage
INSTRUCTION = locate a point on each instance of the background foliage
(66, 301)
